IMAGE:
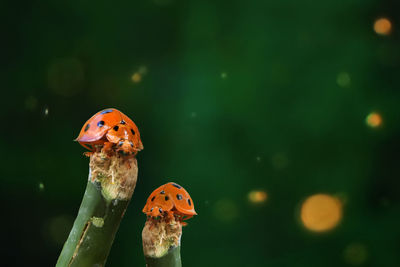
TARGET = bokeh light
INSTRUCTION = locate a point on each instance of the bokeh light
(355, 254)
(142, 70)
(383, 26)
(343, 79)
(136, 77)
(224, 75)
(225, 210)
(374, 120)
(257, 196)
(321, 212)
(41, 186)
(279, 161)
(57, 229)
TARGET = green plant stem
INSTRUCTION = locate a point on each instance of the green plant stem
(161, 242)
(112, 180)
(171, 259)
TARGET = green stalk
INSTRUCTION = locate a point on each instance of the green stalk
(112, 180)
(171, 259)
(161, 242)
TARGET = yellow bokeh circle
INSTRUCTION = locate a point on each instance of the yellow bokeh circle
(382, 26)
(321, 212)
(374, 120)
(257, 196)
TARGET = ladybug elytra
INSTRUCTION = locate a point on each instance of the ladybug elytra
(110, 128)
(170, 200)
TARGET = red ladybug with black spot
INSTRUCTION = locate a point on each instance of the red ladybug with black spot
(110, 128)
(170, 200)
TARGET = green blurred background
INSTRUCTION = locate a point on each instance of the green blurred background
(252, 106)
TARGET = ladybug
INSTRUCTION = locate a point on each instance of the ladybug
(110, 128)
(170, 200)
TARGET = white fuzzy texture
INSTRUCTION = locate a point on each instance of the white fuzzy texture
(160, 235)
(117, 175)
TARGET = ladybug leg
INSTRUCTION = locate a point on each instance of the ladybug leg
(184, 218)
(86, 146)
(87, 153)
(187, 217)
(107, 147)
(180, 218)
(170, 215)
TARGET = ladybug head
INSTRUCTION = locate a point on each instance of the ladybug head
(126, 147)
(155, 212)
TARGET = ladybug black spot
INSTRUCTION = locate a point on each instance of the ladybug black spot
(100, 123)
(151, 209)
(177, 185)
(162, 192)
(131, 144)
(116, 128)
(179, 196)
(160, 210)
(132, 131)
(152, 199)
(123, 122)
(87, 127)
(106, 111)
(166, 198)
(189, 202)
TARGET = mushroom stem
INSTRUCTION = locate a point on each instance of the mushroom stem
(161, 242)
(112, 180)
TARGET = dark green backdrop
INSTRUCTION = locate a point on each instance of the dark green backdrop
(233, 96)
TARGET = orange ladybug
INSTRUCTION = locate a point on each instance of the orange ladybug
(110, 128)
(170, 200)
